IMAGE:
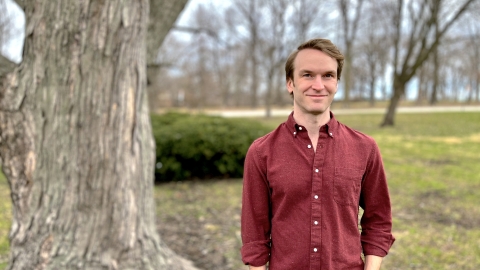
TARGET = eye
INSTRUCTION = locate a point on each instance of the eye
(307, 75)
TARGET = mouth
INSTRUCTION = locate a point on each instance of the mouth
(317, 96)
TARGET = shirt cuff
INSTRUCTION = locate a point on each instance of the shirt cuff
(374, 250)
(380, 247)
(256, 253)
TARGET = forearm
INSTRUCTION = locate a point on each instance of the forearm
(258, 267)
(373, 262)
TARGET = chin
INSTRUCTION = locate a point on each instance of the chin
(317, 111)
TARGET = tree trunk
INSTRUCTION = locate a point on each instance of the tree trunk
(372, 91)
(476, 88)
(254, 76)
(435, 85)
(347, 77)
(421, 85)
(162, 17)
(76, 142)
(398, 91)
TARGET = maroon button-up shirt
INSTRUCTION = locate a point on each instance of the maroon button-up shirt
(300, 207)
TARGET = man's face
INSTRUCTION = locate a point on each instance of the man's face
(314, 81)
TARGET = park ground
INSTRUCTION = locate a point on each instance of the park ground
(431, 160)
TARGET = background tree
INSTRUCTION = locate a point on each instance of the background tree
(252, 16)
(273, 48)
(231, 67)
(373, 50)
(423, 39)
(162, 17)
(76, 142)
(473, 61)
(351, 12)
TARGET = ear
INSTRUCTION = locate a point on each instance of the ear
(290, 85)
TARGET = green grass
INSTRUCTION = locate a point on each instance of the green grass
(5, 220)
(434, 178)
(432, 163)
(201, 221)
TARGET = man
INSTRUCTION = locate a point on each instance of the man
(305, 181)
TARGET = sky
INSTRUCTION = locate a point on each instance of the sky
(12, 49)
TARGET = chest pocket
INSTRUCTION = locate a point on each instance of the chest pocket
(347, 183)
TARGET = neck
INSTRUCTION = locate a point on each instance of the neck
(312, 122)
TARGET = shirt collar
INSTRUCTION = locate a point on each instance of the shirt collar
(330, 128)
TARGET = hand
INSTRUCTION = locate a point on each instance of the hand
(258, 267)
(373, 262)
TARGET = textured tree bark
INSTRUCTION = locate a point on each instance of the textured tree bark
(163, 15)
(76, 142)
(398, 92)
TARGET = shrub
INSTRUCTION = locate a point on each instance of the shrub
(200, 146)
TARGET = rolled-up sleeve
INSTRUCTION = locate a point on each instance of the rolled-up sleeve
(255, 219)
(376, 221)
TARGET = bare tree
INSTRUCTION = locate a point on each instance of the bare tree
(164, 89)
(305, 16)
(162, 17)
(474, 61)
(421, 40)
(350, 29)
(422, 85)
(250, 10)
(76, 142)
(274, 50)
(436, 66)
(373, 49)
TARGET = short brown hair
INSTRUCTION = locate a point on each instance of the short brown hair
(323, 45)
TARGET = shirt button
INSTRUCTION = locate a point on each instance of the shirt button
(295, 133)
(331, 134)
(315, 222)
(309, 146)
(299, 128)
(315, 250)
(316, 197)
(316, 170)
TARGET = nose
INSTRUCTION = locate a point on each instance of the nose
(317, 83)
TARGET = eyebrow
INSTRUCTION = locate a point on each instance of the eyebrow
(309, 71)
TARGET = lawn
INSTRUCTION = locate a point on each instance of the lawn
(432, 162)
(5, 220)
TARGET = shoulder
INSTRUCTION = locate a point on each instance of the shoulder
(268, 140)
(355, 136)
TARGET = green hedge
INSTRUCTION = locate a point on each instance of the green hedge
(202, 147)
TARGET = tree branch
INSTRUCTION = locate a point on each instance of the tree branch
(6, 66)
(396, 39)
(423, 55)
(162, 17)
(356, 20)
(20, 3)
